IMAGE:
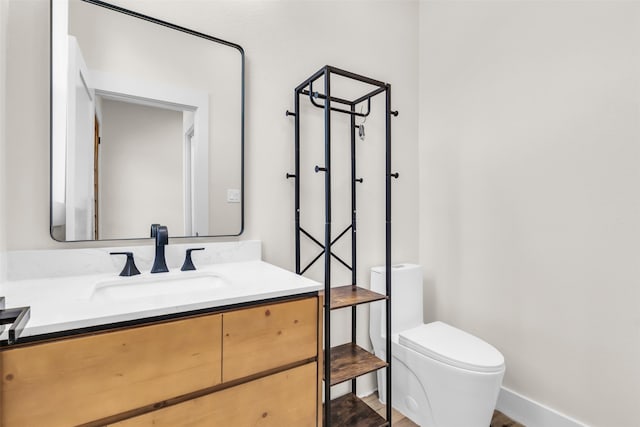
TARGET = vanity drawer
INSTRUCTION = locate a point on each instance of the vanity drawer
(270, 336)
(74, 381)
(287, 398)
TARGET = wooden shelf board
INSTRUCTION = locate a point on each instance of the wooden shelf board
(349, 410)
(350, 295)
(349, 361)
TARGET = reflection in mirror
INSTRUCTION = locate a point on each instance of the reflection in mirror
(147, 126)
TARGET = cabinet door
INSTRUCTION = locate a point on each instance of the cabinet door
(285, 399)
(74, 381)
(270, 336)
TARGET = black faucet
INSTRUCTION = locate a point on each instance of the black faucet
(161, 234)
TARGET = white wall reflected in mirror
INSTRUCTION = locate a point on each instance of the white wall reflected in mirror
(135, 139)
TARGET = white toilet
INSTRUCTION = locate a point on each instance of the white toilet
(441, 376)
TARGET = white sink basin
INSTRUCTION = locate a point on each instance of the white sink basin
(160, 286)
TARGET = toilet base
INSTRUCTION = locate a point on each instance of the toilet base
(409, 398)
(441, 395)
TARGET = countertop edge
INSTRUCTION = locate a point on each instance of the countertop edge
(106, 324)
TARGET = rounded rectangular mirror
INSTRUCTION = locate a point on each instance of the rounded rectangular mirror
(147, 126)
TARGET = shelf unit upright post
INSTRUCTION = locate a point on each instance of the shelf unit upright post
(348, 361)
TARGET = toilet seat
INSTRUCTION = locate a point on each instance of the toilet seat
(453, 347)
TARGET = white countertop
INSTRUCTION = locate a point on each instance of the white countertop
(61, 304)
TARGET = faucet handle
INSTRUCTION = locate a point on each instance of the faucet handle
(188, 262)
(130, 268)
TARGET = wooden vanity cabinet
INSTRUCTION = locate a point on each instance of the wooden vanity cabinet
(243, 367)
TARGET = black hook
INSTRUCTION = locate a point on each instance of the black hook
(395, 175)
(360, 180)
(394, 113)
(291, 175)
(289, 113)
(319, 169)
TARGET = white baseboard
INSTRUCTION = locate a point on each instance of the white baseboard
(530, 413)
(523, 410)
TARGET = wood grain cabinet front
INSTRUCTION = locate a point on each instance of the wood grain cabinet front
(78, 380)
(287, 398)
(269, 336)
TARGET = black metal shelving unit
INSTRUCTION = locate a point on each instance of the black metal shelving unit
(347, 361)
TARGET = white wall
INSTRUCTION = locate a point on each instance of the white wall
(529, 200)
(141, 173)
(27, 130)
(284, 43)
(281, 51)
(4, 21)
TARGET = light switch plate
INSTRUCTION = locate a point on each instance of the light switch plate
(233, 195)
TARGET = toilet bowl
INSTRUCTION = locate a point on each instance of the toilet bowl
(441, 375)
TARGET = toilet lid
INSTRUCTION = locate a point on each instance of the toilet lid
(452, 346)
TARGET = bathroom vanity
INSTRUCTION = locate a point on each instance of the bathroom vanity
(247, 353)
(234, 343)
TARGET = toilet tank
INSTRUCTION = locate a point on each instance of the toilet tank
(406, 298)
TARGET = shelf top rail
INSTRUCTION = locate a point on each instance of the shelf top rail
(306, 87)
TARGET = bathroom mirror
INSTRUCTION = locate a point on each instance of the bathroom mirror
(147, 126)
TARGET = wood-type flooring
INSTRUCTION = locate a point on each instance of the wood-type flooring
(398, 420)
